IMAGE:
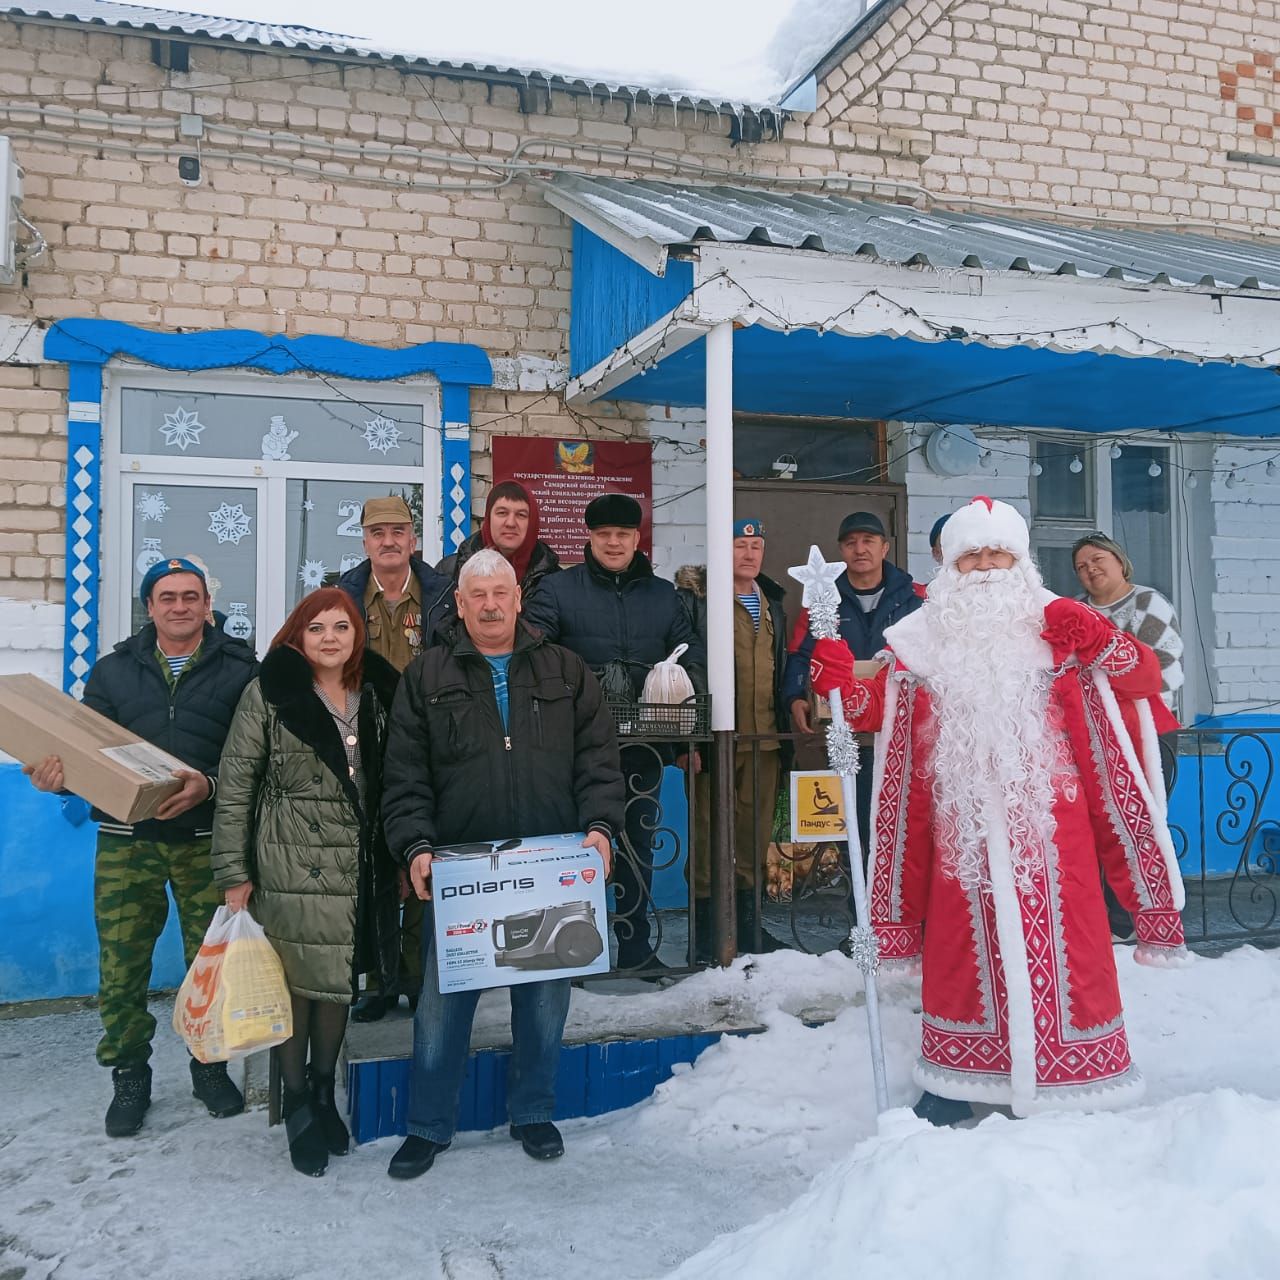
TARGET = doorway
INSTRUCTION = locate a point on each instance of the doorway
(796, 515)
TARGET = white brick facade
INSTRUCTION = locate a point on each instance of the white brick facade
(355, 201)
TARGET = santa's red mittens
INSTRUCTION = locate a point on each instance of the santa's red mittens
(831, 667)
(1071, 627)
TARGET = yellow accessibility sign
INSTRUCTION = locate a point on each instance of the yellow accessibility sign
(817, 807)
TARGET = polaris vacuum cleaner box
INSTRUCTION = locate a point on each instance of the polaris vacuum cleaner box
(518, 911)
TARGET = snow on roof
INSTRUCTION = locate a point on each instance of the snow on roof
(738, 54)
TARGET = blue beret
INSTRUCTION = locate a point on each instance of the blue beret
(936, 532)
(162, 569)
(749, 527)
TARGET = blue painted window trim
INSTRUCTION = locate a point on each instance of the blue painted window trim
(86, 346)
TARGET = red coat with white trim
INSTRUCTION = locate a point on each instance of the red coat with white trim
(1021, 1004)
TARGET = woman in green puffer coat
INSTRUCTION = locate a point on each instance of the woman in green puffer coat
(297, 835)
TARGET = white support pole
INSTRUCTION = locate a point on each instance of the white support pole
(720, 631)
(720, 525)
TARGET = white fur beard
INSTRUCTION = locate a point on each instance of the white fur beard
(990, 693)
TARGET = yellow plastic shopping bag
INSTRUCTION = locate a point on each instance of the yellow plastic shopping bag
(234, 999)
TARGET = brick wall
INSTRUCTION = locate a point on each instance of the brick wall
(1246, 579)
(33, 451)
(1124, 108)
(354, 201)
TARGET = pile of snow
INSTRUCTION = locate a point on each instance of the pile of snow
(762, 1160)
(1184, 1189)
(741, 52)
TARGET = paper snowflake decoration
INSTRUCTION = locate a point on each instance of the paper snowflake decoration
(152, 506)
(308, 505)
(181, 429)
(312, 574)
(382, 434)
(229, 523)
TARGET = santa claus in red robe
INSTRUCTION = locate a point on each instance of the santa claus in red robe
(1005, 776)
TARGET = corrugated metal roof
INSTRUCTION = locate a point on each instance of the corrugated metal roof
(645, 219)
(175, 22)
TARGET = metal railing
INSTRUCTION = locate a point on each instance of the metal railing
(653, 935)
(1224, 816)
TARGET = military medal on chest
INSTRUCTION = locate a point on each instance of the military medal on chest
(413, 630)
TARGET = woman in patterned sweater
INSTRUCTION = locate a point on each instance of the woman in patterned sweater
(1106, 573)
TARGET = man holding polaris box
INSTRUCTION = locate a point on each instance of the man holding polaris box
(175, 684)
(621, 620)
(404, 601)
(495, 734)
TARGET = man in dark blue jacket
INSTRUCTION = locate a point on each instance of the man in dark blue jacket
(621, 620)
(874, 594)
(175, 684)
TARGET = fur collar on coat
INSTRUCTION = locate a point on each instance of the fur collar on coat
(287, 686)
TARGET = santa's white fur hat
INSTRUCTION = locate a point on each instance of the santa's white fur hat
(985, 523)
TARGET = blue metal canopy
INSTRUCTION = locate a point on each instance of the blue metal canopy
(810, 374)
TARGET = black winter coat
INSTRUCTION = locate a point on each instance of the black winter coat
(291, 819)
(127, 686)
(862, 632)
(633, 617)
(453, 774)
(542, 562)
(435, 589)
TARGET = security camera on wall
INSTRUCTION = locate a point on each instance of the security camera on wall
(189, 170)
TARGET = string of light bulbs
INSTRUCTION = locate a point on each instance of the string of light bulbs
(1231, 471)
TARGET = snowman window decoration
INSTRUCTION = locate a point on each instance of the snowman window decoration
(275, 444)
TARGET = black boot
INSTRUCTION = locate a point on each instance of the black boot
(132, 1098)
(746, 902)
(703, 952)
(541, 1141)
(942, 1111)
(211, 1084)
(322, 1103)
(373, 1007)
(415, 1157)
(308, 1147)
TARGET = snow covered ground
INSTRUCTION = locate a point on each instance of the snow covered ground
(761, 1160)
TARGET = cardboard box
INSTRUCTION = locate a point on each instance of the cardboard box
(518, 911)
(113, 769)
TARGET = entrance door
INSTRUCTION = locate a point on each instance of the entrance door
(797, 515)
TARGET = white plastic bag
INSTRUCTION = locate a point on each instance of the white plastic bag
(666, 687)
(234, 999)
(668, 683)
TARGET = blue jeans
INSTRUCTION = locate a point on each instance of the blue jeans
(442, 1038)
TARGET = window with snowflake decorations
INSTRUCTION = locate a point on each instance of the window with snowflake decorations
(216, 529)
(259, 479)
(270, 428)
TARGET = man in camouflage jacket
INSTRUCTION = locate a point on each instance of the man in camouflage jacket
(176, 684)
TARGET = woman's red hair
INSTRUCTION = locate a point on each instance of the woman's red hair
(308, 608)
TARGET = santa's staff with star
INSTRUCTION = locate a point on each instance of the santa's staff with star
(1004, 777)
(822, 599)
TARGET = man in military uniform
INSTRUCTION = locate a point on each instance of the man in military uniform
(175, 684)
(404, 601)
(759, 657)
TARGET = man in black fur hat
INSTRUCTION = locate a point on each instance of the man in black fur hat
(621, 619)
